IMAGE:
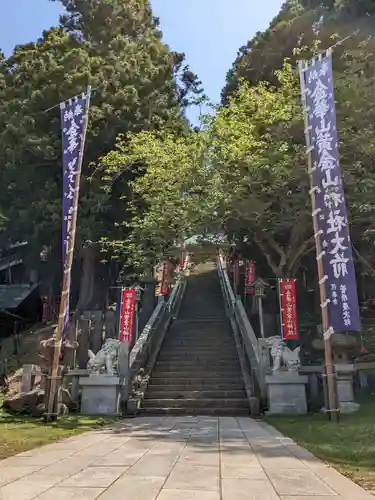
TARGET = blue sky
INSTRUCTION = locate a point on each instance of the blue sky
(208, 31)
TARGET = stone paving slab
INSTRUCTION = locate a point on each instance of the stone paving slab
(175, 458)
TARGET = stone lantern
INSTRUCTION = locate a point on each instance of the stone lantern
(341, 345)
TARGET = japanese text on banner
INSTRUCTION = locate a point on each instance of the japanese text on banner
(128, 299)
(331, 212)
(289, 309)
(250, 277)
(73, 121)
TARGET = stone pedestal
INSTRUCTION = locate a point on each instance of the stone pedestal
(101, 395)
(345, 391)
(287, 393)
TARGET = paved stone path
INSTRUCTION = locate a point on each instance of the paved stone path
(172, 458)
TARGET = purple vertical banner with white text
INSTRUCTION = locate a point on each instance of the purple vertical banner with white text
(73, 119)
(331, 211)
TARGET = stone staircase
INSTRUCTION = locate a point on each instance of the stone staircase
(198, 371)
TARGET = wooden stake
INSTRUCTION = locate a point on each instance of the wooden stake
(331, 402)
(51, 413)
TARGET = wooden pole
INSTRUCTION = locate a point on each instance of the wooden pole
(51, 413)
(280, 308)
(331, 403)
(261, 318)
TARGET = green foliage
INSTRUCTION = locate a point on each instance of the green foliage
(253, 167)
(243, 167)
(260, 176)
(138, 84)
(300, 22)
(293, 34)
(167, 193)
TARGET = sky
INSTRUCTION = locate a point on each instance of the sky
(210, 32)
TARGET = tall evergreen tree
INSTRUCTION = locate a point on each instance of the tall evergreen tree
(296, 24)
(116, 47)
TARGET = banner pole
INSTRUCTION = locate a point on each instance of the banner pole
(51, 413)
(280, 308)
(331, 406)
(245, 287)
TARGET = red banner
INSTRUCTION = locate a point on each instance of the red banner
(128, 299)
(288, 307)
(164, 288)
(250, 277)
(182, 260)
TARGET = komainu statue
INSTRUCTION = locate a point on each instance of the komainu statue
(104, 360)
(283, 356)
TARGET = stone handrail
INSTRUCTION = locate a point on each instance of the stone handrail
(145, 351)
(253, 348)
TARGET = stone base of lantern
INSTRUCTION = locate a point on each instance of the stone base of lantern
(345, 390)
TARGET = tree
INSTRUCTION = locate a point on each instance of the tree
(116, 47)
(299, 23)
(254, 167)
(260, 176)
(169, 199)
(238, 168)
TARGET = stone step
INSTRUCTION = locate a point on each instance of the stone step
(198, 372)
(200, 341)
(172, 347)
(196, 403)
(198, 355)
(219, 349)
(178, 350)
(203, 368)
(195, 386)
(192, 378)
(198, 358)
(168, 393)
(197, 344)
(201, 320)
(201, 333)
(214, 363)
(220, 412)
(193, 321)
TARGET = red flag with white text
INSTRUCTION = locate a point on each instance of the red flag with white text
(128, 300)
(288, 307)
(250, 277)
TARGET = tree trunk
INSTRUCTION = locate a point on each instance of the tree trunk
(264, 246)
(87, 283)
(302, 251)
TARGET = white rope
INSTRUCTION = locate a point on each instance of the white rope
(323, 280)
(320, 256)
(328, 334)
(325, 303)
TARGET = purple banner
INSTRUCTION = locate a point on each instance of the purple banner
(340, 279)
(73, 116)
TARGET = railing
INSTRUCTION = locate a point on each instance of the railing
(145, 351)
(9, 260)
(253, 351)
